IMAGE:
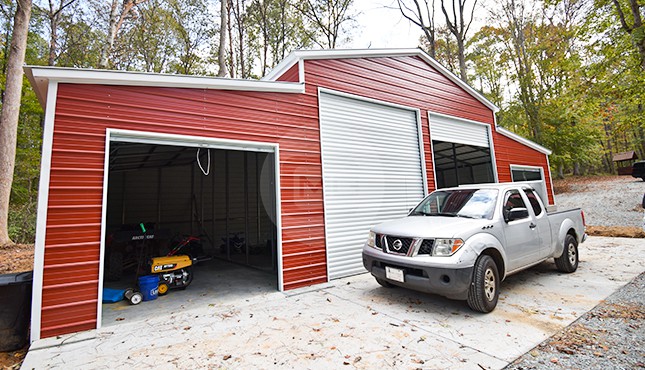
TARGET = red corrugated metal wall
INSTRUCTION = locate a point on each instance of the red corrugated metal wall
(509, 151)
(291, 75)
(83, 112)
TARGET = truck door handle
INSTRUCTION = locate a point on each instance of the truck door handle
(532, 225)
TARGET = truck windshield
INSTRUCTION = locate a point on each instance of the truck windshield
(469, 203)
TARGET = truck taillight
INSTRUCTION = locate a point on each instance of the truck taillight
(582, 213)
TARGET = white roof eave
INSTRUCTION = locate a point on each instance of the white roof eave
(522, 140)
(40, 77)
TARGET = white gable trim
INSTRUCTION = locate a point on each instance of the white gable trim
(522, 140)
(300, 55)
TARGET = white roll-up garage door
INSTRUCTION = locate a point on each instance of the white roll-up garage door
(372, 172)
(453, 130)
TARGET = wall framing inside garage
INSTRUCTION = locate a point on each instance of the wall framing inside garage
(142, 137)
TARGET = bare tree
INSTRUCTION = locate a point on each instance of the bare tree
(326, 17)
(459, 26)
(422, 17)
(10, 111)
(221, 54)
(54, 14)
(118, 15)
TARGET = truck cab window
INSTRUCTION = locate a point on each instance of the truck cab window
(513, 200)
(535, 204)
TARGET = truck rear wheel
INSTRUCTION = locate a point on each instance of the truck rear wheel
(568, 261)
(484, 288)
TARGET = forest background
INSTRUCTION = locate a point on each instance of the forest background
(568, 75)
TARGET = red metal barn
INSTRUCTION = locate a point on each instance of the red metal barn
(301, 164)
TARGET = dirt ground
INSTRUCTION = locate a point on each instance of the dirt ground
(16, 258)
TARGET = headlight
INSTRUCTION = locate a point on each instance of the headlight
(446, 247)
(371, 239)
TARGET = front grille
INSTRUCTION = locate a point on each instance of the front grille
(378, 242)
(393, 242)
(426, 246)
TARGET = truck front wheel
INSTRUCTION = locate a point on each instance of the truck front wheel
(484, 288)
(568, 261)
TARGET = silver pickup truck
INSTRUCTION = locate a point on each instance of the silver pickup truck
(462, 242)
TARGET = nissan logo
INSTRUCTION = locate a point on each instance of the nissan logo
(397, 245)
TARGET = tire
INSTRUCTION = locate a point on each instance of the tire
(163, 288)
(384, 283)
(568, 261)
(115, 266)
(189, 279)
(484, 287)
(136, 298)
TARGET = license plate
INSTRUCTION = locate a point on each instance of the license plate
(394, 274)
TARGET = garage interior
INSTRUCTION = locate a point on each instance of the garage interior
(219, 203)
(458, 164)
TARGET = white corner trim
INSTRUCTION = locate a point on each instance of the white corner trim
(106, 181)
(278, 217)
(522, 140)
(41, 218)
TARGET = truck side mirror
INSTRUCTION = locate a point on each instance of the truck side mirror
(643, 204)
(517, 214)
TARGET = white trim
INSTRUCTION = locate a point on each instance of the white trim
(145, 137)
(106, 181)
(41, 218)
(528, 167)
(522, 140)
(492, 148)
(191, 141)
(278, 216)
(298, 55)
(322, 169)
(548, 165)
(464, 120)
(301, 71)
(40, 76)
(362, 98)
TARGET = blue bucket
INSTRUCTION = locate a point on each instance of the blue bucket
(149, 287)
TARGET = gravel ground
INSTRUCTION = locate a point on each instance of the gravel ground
(611, 336)
(606, 201)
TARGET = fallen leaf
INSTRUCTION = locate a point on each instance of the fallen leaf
(357, 359)
(120, 318)
(554, 360)
(187, 328)
(227, 357)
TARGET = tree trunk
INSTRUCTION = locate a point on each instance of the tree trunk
(221, 54)
(461, 55)
(10, 112)
(111, 35)
(53, 38)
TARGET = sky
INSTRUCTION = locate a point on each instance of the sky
(381, 25)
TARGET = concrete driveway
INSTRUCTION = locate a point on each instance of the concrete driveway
(354, 322)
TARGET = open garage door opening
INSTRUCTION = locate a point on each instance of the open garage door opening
(166, 202)
(458, 164)
(461, 150)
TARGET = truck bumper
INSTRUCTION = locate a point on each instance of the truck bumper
(448, 282)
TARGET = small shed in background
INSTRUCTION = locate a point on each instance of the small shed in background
(624, 162)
